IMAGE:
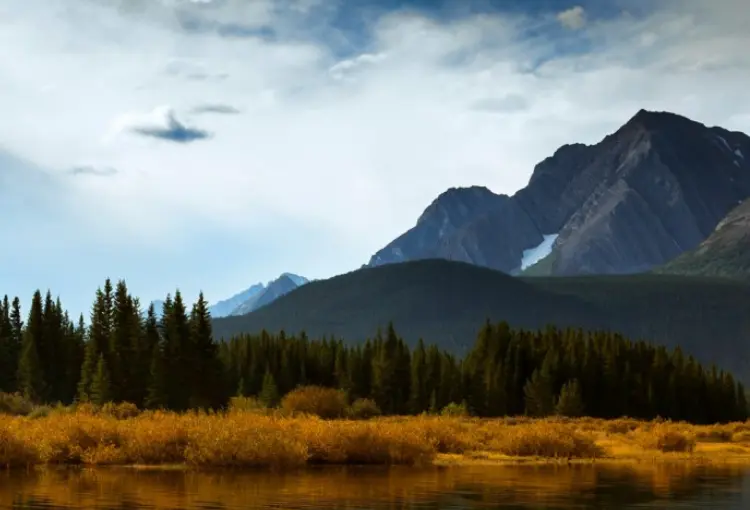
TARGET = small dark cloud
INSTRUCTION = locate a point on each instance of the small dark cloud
(504, 104)
(224, 109)
(237, 30)
(174, 131)
(191, 22)
(102, 171)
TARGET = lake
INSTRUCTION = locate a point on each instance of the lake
(519, 487)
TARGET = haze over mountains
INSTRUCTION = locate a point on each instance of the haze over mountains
(652, 190)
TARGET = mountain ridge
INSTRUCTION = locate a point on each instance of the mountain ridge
(644, 194)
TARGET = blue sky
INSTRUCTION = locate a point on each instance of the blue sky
(212, 144)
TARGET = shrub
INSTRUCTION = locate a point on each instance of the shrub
(121, 411)
(363, 409)
(15, 404)
(41, 412)
(454, 409)
(544, 439)
(315, 400)
(665, 437)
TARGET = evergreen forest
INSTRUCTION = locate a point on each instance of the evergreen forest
(172, 361)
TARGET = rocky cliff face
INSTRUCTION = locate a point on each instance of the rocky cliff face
(643, 195)
(469, 225)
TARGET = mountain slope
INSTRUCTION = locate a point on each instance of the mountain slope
(726, 252)
(227, 306)
(446, 302)
(652, 190)
(285, 283)
(440, 300)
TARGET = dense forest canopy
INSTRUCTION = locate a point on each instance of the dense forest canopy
(174, 362)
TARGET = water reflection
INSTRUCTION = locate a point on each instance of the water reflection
(520, 487)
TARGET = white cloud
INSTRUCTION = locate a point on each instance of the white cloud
(573, 18)
(353, 160)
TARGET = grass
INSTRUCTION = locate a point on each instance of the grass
(251, 437)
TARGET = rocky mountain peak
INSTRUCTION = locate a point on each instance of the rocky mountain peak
(654, 188)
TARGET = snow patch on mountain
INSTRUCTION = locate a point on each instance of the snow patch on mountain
(537, 253)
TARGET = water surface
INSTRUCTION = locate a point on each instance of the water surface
(519, 487)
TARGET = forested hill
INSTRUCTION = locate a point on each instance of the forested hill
(445, 302)
(175, 363)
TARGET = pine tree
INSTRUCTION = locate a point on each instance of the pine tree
(30, 374)
(419, 399)
(242, 389)
(101, 385)
(144, 355)
(156, 394)
(50, 348)
(570, 401)
(14, 346)
(8, 363)
(98, 341)
(120, 343)
(538, 394)
(207, 389)
(742, 411)
(30, 378)
(178, 352)
(269, 394)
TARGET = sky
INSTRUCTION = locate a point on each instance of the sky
(211, 144)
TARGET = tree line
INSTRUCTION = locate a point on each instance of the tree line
(172, 361)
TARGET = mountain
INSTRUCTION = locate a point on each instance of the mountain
(446, 302)
(251, 298)
(227, 306)
(285, 283)
(726, 252)
(645, 194)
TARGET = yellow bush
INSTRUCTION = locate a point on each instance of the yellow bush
(665, 437)
(357, 442)
(741, 437)
(121, 410)
(450, 435)
(315, 400)
(715, 434)
(621, 426)
(14, 451)
(545, 439)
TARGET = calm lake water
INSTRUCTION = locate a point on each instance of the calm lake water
(519, 487)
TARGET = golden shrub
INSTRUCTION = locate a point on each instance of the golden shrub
(315, 400)
(545, 439)
(665, 437)
(120, 410)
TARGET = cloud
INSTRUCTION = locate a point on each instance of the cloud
(354, 119)
(342, 68)
(503, 104)
(93, 170)
(573, 18)
(162, 124)
(215, 108)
